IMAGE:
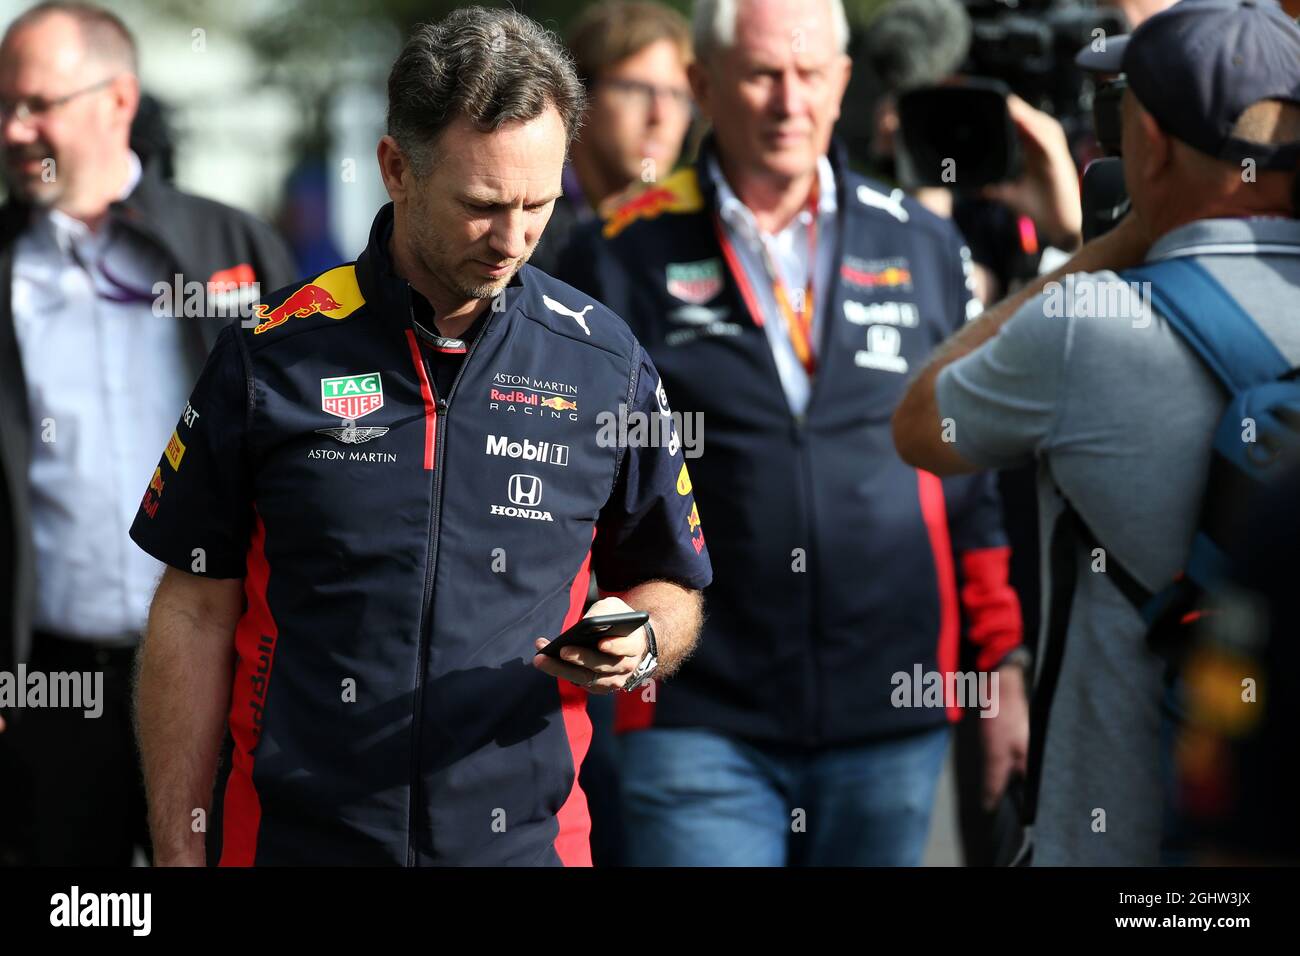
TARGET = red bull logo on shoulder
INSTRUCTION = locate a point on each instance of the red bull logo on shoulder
(645, 206)
(334, 293)
(306, 301)
(679, 193)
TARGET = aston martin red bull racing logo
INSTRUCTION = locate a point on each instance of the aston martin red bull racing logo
(877, 273)
(536, 396)
(518, 397)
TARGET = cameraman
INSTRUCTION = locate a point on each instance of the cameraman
(1120, 413)
(926, 43)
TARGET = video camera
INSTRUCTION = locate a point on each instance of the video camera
(1026, 47)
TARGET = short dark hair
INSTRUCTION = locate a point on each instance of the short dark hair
(491, 66)
(103, 32)
(609, 32)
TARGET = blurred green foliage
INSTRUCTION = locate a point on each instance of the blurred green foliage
(312, 47)
(321, 27)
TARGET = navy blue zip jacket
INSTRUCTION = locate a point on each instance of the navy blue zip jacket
(400, 551)
(836, 566)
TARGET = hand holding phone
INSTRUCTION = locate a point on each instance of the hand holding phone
(590, 631)
(604, 651)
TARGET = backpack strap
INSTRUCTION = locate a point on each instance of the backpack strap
(1212, 322)
(1128, 585)
(1232, 347)
(1069, 531)
(1235, 350)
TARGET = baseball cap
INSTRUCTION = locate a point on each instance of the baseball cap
(1196, 66)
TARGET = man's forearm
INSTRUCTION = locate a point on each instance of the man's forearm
(182, 694)
(1097, 255)
(916, 424)
(676, 613)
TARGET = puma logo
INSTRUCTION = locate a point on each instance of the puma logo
(565, 310)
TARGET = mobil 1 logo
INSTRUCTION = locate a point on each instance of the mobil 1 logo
(543, 451)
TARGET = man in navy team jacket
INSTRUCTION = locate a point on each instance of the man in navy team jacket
(785, 300)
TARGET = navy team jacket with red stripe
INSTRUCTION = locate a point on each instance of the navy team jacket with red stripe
(400, 552)
(836, 565)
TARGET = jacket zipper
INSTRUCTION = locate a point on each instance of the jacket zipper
(811, 717)
(441, 408)
(814, 717)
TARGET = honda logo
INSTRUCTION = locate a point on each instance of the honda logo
(525, 490)
(884, 339)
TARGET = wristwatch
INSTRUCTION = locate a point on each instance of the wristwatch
(648, 663)
(1020, 656)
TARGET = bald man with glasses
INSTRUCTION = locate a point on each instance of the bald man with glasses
(31, 109)
(92, 370)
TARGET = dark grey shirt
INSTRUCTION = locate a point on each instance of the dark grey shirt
(1119, 413)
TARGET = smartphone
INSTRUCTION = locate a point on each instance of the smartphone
(591, 630)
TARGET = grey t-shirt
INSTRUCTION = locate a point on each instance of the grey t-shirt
(1119, 413)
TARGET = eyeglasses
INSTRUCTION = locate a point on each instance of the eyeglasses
(645, 94)
(33, 107)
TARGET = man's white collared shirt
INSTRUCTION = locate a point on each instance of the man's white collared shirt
(789, 252)
(106, 381)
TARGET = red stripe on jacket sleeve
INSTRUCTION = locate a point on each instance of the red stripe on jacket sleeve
(633, 711)
(934, 511)
(255, 639)
(573, 843)
(993, 621)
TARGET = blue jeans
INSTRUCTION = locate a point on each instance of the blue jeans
(694, 797)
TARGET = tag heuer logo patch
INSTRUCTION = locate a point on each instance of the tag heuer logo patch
(695, 282)
(352, 396)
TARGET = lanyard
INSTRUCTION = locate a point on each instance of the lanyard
(118, 290)
(798, 322)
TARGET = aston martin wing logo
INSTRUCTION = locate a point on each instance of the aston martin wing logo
(350, 434)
